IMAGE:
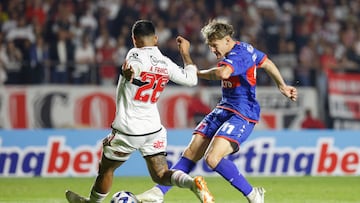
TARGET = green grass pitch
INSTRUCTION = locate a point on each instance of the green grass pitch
(279, 189)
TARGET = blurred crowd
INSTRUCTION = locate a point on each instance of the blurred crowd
(85, 41)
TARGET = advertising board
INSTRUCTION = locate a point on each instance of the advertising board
(62, 153)
(39, 107)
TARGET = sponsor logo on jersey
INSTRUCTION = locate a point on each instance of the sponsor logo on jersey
(154, 61)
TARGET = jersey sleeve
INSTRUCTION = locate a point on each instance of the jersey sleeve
(257, 56)
(244, 59)
(186, 76)
(261, 57)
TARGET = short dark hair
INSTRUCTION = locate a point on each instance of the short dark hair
(143, 28)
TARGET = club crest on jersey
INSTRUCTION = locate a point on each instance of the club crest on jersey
(229, 61)
(250, 48)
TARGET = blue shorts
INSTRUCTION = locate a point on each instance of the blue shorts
(225, 124)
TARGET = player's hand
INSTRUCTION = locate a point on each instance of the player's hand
(128, 72)
(290, 92)
(183, 45)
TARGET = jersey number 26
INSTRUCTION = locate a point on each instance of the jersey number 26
(154, 85)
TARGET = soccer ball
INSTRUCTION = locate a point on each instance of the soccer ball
(124, 197)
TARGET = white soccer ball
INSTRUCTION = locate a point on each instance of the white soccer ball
(124, 197)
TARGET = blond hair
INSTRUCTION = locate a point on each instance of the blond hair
(217, 29)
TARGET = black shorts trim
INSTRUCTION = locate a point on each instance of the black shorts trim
(160, 153)
(118, 131)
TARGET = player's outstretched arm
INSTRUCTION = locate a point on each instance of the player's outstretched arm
(287, 90)
(215, 73)
(187, 76)
(184, 48)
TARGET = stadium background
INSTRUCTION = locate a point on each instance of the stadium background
(55, 107)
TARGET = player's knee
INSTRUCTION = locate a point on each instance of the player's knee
(192, 155)
(211, 161)
(188, 153)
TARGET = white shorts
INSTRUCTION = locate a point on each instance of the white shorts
(119, 146)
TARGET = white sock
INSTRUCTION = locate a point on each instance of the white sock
(182, 179)
(251, 195)
(96, 197)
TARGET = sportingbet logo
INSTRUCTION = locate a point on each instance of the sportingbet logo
(261, 156)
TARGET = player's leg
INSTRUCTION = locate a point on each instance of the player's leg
(230, 135)
(159, 172)
(156, 193)
(102, 184)
(114, 155)
(193, 153)
(196, 149)
(104, 179)
(186, 163)
(226, 168)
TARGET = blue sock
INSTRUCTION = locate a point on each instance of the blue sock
(230, 172)
(183, 164)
